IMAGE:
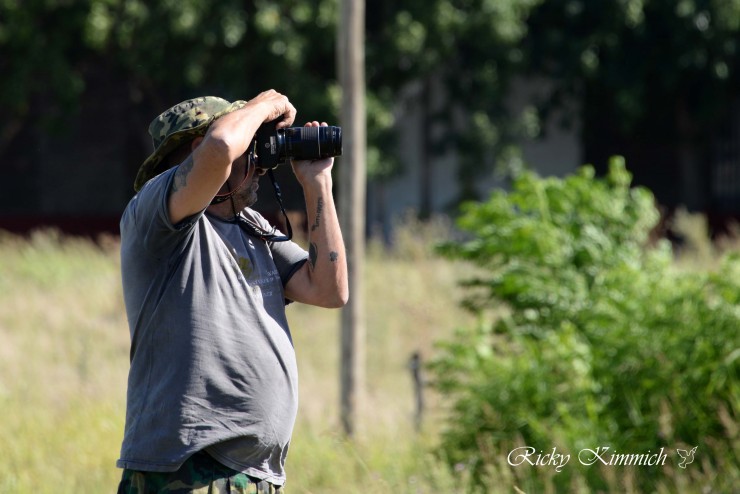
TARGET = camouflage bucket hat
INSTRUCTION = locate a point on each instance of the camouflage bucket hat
(183, 121)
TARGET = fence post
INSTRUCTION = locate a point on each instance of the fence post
(415, 366)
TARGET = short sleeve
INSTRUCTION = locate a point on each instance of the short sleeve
(147, 215)
(288, 256)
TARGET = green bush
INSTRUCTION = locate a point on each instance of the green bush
(589, 336)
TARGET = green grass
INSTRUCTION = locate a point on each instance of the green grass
(63, 365)
(64, 362)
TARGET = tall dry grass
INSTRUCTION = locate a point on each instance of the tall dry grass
(63, 364)
(64, 361)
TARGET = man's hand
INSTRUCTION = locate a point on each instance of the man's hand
(309, 171)
(275, 105)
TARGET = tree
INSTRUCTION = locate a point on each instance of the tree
(651, 76)
(472, 46)
(644, 77)
(644, 73)
(56, 54)
(589, 336)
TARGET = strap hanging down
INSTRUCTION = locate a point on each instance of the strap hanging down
(279, 198)
(255, 230)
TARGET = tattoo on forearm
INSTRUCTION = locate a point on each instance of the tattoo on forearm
(181, 175)
(319, 211)
(313, 253)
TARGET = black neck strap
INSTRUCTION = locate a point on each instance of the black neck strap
(255, 230)
(279, 198)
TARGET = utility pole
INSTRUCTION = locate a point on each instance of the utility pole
(351, 62)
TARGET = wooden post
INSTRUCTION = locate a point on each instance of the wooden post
(351, 170)
(417, 376)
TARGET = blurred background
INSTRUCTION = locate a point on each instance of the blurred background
(465, 99)
(455, 90)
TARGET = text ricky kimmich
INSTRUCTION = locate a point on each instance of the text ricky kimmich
(601, 455)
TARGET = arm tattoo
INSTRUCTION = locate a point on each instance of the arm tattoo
(181, 175)
(319, 211)
(313, 253)
(313, 249)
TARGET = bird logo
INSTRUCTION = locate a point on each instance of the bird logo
(686, 456)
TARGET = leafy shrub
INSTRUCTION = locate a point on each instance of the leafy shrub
(589, 335)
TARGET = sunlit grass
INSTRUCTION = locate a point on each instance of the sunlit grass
(64, 362)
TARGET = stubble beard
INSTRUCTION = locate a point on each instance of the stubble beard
(246, 197)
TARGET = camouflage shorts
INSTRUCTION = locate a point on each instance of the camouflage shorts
(199, 474)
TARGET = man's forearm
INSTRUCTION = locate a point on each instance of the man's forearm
(326, 255)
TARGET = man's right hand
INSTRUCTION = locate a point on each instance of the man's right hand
(276, 105)
(209, 165)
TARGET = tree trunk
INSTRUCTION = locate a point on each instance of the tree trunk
(351, 53)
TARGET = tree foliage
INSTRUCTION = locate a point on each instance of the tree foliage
(167, 51)
(661, 68)
(645, 73)
(601, 340)
(624, 68)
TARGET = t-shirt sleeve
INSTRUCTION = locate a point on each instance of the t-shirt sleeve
(288, 256)
(148, 215)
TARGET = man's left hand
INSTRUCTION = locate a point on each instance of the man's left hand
(308, 172)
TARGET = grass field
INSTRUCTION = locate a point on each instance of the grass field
(64, 361)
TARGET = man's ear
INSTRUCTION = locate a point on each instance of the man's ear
(195, 143)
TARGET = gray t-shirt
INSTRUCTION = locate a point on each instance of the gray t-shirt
(212, 359)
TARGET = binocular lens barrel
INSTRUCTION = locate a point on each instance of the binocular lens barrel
(311, 143)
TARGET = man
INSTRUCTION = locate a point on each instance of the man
(212, 389)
